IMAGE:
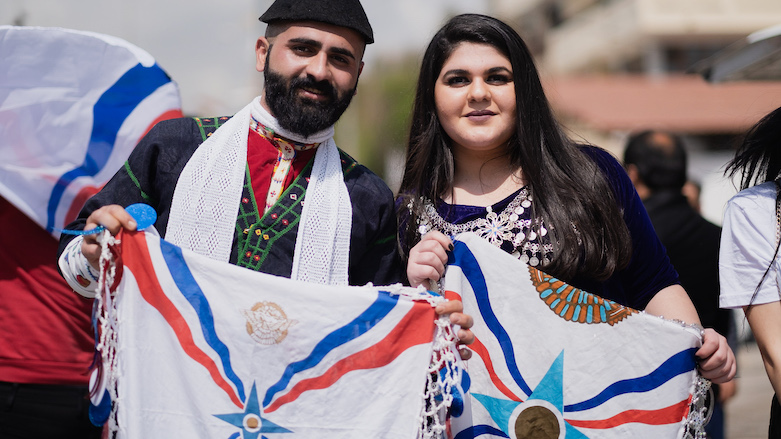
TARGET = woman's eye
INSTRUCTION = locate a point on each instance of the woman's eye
(457, 80)
(498, 79)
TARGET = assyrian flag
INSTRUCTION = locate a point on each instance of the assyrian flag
(212, 350)
(73, 105)
(552, 361)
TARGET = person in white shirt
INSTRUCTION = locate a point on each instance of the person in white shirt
(749, 266)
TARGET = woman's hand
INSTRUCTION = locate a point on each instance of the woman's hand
(465, 336)
(427, 262)
(428, 258)
(716, 359)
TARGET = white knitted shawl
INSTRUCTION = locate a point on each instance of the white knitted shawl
(208, 192)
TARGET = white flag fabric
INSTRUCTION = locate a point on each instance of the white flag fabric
(212, 350)
(552, 361)
(73, 105)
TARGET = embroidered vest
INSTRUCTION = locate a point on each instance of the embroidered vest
(256, 233)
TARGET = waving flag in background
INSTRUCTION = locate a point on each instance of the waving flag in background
(552, 361)
(73, 105)
(211, 350)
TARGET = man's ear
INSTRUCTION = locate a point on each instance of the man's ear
(634, 175)
(262, 47)
(360, 69)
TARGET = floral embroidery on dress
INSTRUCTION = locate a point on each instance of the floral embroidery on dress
(511, 229)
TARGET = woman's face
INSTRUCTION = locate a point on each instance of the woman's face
(475, 98)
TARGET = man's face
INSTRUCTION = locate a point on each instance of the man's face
(311, 72)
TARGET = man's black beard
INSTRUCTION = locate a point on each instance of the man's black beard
(302, 115)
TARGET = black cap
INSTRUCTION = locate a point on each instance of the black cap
(345, 13)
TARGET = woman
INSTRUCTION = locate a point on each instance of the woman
(748, 260)
(486, 155)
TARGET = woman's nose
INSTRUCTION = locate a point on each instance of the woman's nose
(478, 91)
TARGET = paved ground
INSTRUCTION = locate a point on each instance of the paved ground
(748, 412)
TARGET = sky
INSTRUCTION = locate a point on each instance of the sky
(207, 47)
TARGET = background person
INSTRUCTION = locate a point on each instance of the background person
(749, 265)
(656, 162)
(46, 341)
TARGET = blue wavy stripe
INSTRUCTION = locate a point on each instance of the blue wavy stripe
(108, 115)
(359, 326)
(679, 363)
(479, 430)
(463, 257)
(192, 292)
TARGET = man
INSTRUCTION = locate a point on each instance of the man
(305, 209)
(656, 162)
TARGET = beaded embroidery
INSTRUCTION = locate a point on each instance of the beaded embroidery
(512, 229)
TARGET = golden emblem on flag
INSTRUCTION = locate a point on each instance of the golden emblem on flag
(267, 323)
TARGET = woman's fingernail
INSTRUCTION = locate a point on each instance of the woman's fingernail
(450, 247)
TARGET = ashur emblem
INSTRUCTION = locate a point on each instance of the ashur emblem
(267, 323)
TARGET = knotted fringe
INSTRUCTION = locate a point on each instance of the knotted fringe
(700, 410)
(106, 321)
(443, 378)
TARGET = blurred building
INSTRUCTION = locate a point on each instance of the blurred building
(611, 67)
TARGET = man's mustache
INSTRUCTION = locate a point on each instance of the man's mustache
(323, 87)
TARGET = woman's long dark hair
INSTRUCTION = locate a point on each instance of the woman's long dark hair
(570, 193)
(758, 160)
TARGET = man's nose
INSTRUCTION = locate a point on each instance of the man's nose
(317, 67)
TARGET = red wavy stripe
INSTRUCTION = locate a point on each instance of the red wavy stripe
(668, 415)
(478, 348)
(417, 327)
(452, 295)
(139, 263)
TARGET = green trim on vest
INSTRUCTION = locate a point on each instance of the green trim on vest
(209, 125)
(136, 182)
(257, 237)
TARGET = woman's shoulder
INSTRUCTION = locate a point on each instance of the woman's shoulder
(759, 196)
(602, 157)
(612, 169)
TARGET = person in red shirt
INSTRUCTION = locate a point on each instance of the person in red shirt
(46, 341)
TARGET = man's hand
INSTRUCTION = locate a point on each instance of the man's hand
(114, 218)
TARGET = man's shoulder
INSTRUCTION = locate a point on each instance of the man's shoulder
(360, 179)
(208, 125)
(177, 129)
